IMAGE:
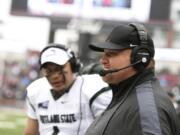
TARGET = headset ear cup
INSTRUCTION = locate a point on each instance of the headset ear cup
(75, 64)
(78, 65)
(143, 54)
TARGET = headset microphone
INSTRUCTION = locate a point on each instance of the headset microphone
(105, 72)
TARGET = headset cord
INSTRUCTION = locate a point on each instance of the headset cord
(80, 106)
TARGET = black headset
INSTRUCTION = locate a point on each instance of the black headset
(74, 62)
(142, 52)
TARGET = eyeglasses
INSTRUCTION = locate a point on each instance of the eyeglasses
(48, 71)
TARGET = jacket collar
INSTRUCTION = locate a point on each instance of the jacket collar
(121, 88)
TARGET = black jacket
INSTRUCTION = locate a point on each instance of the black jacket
(139, 107)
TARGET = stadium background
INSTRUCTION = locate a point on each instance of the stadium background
(25, 29)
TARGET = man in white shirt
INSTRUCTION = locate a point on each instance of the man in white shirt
(62, 102)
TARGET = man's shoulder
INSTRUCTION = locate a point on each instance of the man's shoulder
(37, 85)
(92, 84)
(92, 77)
(38, 82)
(94, 80)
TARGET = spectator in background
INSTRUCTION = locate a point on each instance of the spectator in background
(139, 105)
(62, 102)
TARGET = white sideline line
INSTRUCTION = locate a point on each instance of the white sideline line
(9, 125)
(3, 117)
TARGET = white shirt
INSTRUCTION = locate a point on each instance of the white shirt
(71, 113)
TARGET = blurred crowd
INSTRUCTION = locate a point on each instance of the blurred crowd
(171, 84)
(15, 75)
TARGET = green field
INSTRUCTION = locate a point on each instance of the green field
(12, 122)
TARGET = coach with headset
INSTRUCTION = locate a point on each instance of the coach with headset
(139, 105)
(63, 102)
